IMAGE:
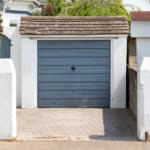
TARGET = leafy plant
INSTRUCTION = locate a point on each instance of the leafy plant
(85, 8)
(59, 6)
(97, 8)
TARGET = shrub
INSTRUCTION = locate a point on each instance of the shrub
(97, 8)
(55, 7)
(85, 8)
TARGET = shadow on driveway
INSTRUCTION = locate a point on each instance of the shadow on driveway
(119, 125)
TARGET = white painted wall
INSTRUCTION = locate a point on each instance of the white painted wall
(13, 34)
(140, 28)
(143, 103)
(141, 31)
(29, 68)
(118, 72)
(16, 58)
(7, 99)
(140, 4)
(28, 73)
(143, 49)
(8, 17)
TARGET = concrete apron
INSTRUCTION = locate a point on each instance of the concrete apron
(76, 124)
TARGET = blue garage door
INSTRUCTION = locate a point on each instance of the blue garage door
(74, 74)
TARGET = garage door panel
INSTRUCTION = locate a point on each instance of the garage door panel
(74, 44)
(79, 53)
(74, 94)
(74, 78)
(74, 61)
(79, 69)
(73, 86)
(88, 85)
(74, 103)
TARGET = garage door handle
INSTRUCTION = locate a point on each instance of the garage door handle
(73, 68)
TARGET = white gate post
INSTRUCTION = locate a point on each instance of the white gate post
(7, 99)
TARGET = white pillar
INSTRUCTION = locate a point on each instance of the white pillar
(118, 72)
(143, 103)
(29, 73)
(7, 99)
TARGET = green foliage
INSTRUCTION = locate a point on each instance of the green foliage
(97, 8)
(85, 8)
(59, 6)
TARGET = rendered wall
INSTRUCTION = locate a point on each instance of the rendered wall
(118, 72)
(7, 99)
(13, 34)
(15, 50)
(16, 58)
(140, 28)
(143, 104)
(141, 31)
(143, 49)
(28, 73)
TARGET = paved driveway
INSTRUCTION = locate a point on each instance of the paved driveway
(76, 124)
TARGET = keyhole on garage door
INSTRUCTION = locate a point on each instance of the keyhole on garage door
(73, 68)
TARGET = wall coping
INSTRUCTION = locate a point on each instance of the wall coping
(140, 16)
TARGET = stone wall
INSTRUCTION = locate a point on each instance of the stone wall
(132, 76)
(132, 72)
(131, 51)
